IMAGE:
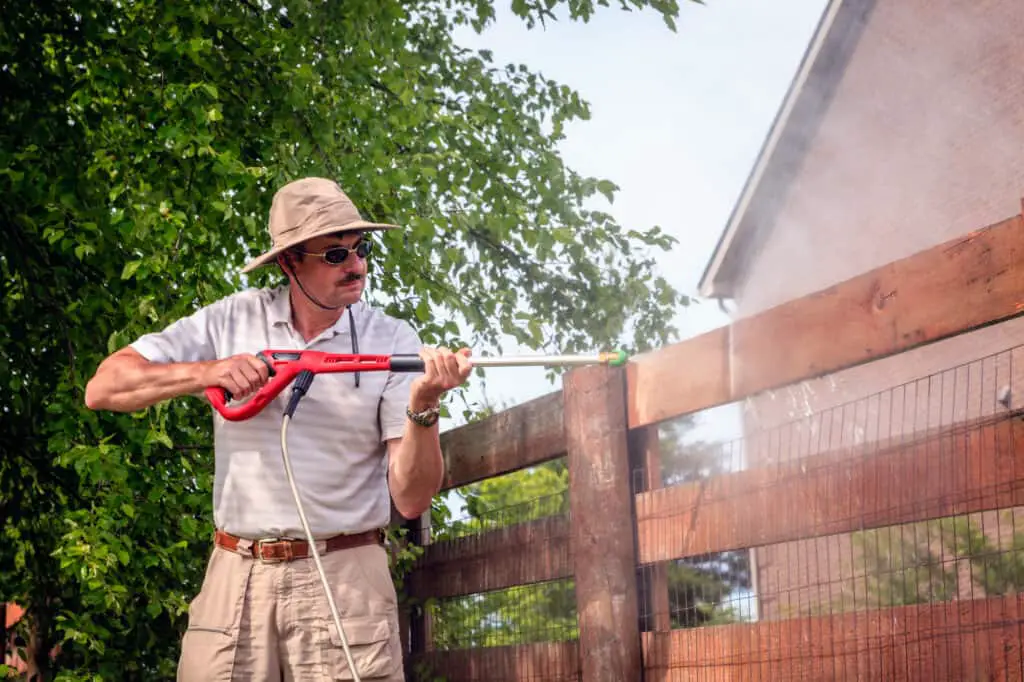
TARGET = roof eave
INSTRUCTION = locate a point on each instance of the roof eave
(715, 282)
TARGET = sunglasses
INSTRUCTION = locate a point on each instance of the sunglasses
(336, 255)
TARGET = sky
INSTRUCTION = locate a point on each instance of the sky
(677, 120)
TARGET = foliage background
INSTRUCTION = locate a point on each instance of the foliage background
(140, 147)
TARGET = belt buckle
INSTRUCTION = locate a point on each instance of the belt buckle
(289, 552)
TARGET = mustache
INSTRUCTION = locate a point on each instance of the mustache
(352, 277)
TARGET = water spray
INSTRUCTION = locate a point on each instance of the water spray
(301, 366)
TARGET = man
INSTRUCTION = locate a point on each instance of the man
(357, 442)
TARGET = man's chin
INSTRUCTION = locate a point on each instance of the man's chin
(347, 294)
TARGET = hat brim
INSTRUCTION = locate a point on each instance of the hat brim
(270, 256)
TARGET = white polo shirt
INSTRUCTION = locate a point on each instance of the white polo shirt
(336, 438)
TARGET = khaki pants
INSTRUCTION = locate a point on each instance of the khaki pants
(270, 622)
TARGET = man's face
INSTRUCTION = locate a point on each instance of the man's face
(330, 280)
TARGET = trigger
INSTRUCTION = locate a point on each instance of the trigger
(267, 362)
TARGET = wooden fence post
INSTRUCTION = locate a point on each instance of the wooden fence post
(414, 620)
(645, 456)
(601, 508)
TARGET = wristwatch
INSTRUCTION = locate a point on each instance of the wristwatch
(426, 418)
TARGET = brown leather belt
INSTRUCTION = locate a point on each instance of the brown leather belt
(278, 549)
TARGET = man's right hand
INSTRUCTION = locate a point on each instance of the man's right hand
(126, 381)
(241, 375)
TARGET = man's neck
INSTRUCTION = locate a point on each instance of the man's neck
(309, 319)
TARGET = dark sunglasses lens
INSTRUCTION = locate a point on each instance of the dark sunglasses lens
(363, 249)
(336, 255)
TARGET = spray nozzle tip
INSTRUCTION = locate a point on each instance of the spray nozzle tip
(615, 358)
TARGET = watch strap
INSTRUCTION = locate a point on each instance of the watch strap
(426, 418)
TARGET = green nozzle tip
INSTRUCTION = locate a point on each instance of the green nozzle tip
(620, 358)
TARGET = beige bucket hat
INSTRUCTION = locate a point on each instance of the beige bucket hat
(307, 208)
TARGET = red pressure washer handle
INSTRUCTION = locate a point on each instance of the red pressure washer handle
(285, 365)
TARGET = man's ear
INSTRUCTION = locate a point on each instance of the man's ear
(284, 262)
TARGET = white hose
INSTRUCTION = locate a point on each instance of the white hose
(312, 548)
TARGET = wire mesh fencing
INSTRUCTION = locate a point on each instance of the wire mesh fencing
(497, 567)
(830, 537)
(875, 538)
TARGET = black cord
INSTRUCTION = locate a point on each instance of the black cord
(355, 338)
(351, 316)
(308, 295)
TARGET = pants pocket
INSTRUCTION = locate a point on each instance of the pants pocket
(374, 644)
(211, 638)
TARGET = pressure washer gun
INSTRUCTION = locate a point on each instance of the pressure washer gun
(301, 365)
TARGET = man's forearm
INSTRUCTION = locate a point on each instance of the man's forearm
(128, 382)
(417, 469)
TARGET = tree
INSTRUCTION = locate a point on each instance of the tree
(937, 560)
(140, 147)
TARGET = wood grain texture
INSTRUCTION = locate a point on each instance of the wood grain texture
(541, 662)
(679, 378)
(515, 438)
(601, 499)
(952, 288)
(653, 591)
(955, 470)
(969, 641)
(517, 555)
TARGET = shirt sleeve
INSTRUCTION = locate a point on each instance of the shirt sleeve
(395, 397)
(189, 339)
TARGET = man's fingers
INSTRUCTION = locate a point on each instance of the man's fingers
(233, 387)
(430, 367)
(240, 375)
(453, 363)
(464, 365)
(241, 383)
(248, 373)
(443, 369)
(247, 376)
(252, 374)
(262, 371)
(444, 365)
(457, 365)
(246, 379)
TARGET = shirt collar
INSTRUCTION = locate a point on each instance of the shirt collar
(280, 309)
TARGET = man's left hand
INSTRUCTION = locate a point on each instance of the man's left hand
(444, 370)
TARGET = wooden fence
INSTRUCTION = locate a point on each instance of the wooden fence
(622, 533)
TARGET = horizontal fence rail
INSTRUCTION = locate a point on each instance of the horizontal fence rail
(542, 662)
(519, 437)
(962, 641)
(960, 469)
(952, 288)
(534, 551)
